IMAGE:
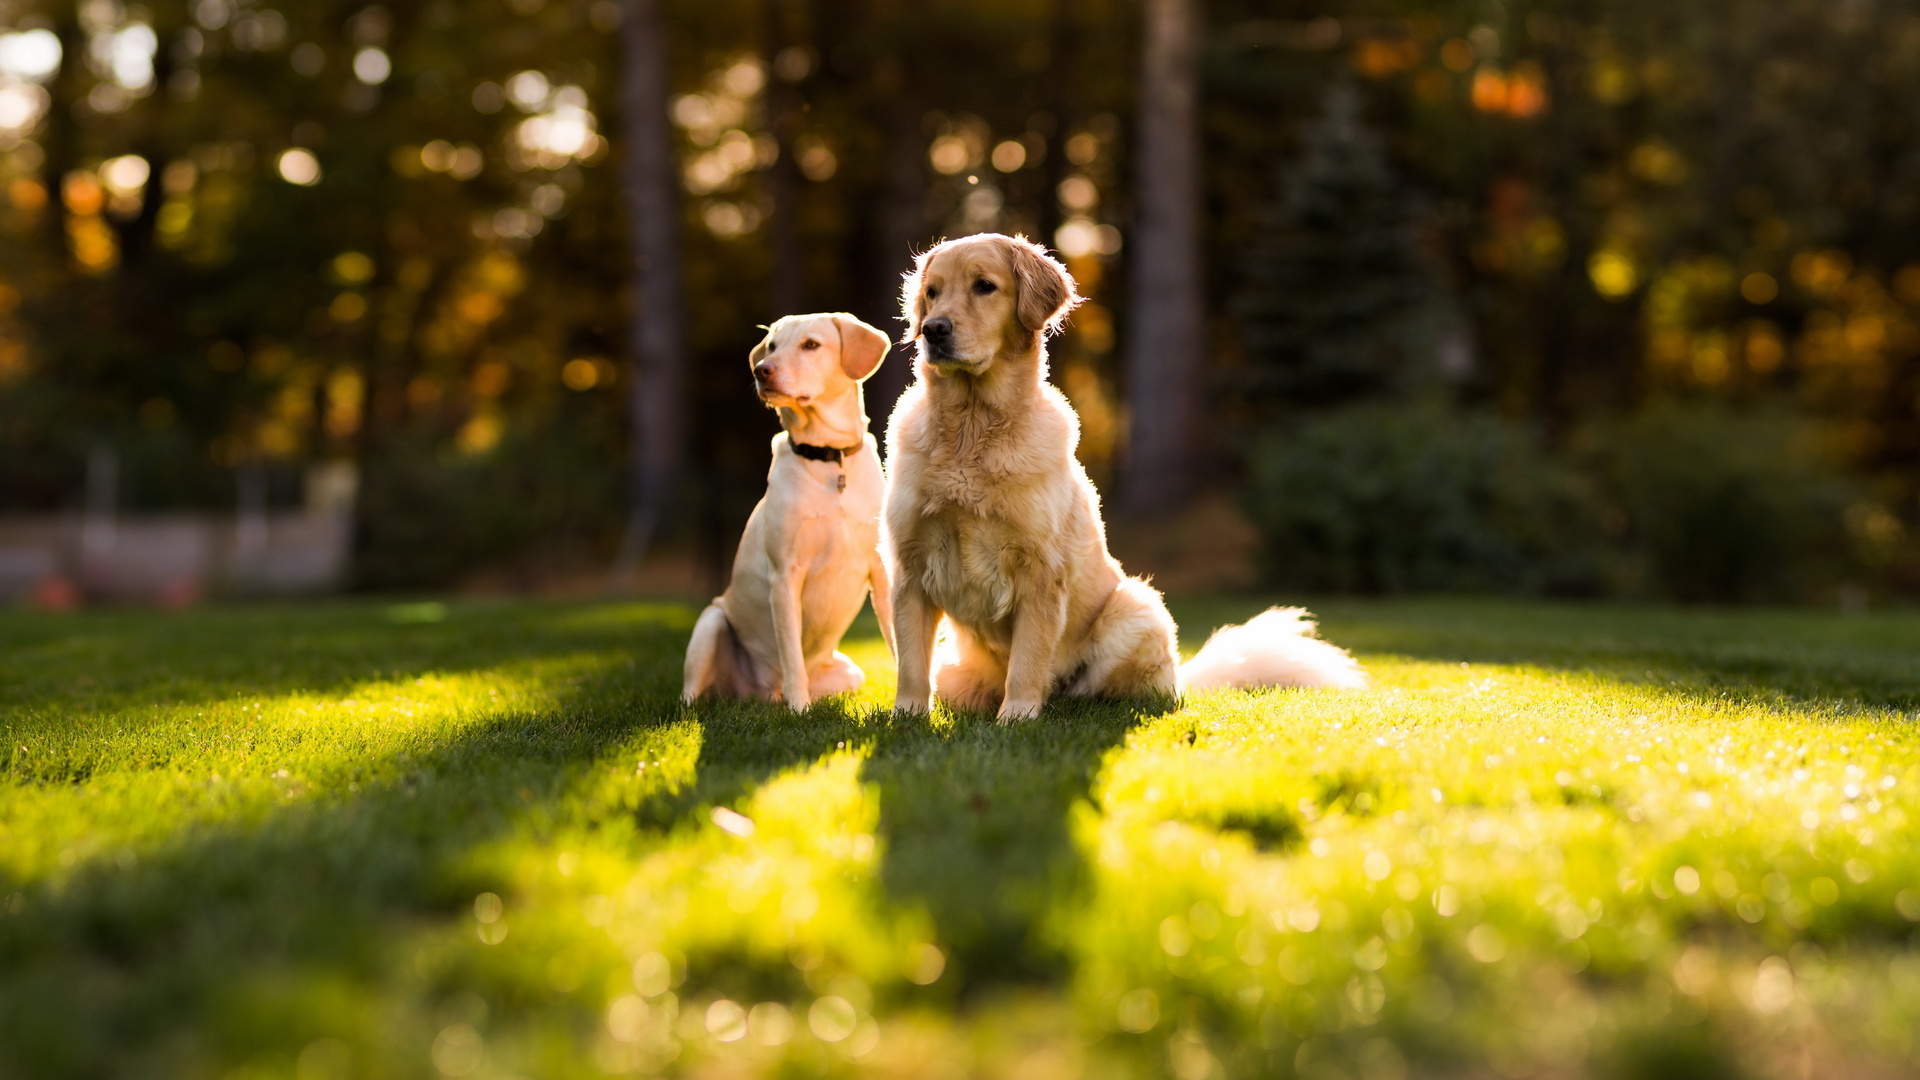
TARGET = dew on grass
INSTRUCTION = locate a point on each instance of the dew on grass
(627, 1017)
(925, 963)
(1138, 1011)
(1687, 880)
(831, 1018)
(1251, 946)
(770, 1024)
(1366, 994)
(1486, 944)
(1189, 1056)
(726, 1021)
(458, 1050)
(1824, 891)
(487, 907)
(652, 975)
(1204, 920)
(1175, 938)
(1772, 987)
(1371, 956)
(1397, 923)
(1377, 866)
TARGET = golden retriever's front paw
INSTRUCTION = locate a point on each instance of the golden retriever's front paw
(1016, 711)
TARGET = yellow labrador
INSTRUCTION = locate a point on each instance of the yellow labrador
(991, 522)
(811, 547)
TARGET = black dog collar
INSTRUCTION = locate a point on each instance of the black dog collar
(820, 453)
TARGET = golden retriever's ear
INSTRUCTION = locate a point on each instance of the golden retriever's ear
(912, 305)
(1046, 290)
(861, 346)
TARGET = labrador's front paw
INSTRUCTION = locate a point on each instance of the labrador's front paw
(796, 697)
(912, 705)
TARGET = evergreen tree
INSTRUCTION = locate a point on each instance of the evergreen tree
(1338, 290)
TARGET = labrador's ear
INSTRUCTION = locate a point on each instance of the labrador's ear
(861, 346)
(1046, 290)
(759, 352)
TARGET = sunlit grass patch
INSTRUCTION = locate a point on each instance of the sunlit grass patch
(1474, 842)
(488, 840)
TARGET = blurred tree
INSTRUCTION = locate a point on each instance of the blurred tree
(1339, 295)
(254, 236)
(656, 339)
(1167, 350)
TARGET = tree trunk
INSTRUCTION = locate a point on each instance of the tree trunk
(783, 180)
(1166, 348)
(1060, 105)
(655, 334)
(903, 232)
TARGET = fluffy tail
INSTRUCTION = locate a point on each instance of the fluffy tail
(1275, 648)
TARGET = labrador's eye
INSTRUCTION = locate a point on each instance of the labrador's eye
(983, 287)
(809, 344)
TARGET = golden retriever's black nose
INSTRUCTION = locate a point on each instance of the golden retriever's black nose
(939, 328)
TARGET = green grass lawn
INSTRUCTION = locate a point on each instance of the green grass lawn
(359, 840)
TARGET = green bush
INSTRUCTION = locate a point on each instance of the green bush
(428, 516)
(1684, 502)
(1728, 506)
(1390, 498)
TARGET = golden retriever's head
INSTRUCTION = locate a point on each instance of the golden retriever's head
(808, 357)
(971, 301)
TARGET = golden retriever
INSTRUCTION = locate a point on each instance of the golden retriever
(991, 522)
(811, 547)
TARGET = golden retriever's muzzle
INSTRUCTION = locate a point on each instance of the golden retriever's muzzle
(937, 332)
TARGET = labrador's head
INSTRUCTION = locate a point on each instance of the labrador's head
(808, 357)
(973, 300)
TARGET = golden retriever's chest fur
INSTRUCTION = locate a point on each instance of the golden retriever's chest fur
(971, 460)
(985, 506)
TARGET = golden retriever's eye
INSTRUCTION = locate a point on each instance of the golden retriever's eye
(809, 344)
(933, 293)
(983, 287)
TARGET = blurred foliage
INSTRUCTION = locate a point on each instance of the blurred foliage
(296, 231)
(1389, 499)
(1729, 507)
(1697, 503)
(550, 491)
(1338, 298)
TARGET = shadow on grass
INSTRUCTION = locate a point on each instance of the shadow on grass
(141, 661)
(137, 962)
(134, 968)
(974, 818)
(134, 965)
(229, 941)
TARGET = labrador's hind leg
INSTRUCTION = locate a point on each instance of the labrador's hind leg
(710, 656)
(837, 674)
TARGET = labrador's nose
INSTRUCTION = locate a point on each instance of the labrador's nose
(762, 372)
(939, 328)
